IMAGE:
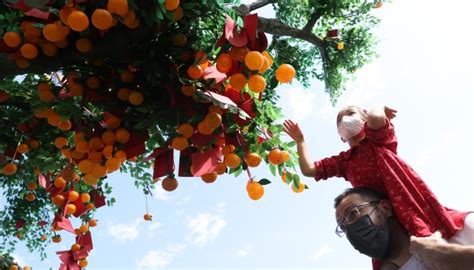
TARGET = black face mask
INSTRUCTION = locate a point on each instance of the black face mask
(369, 239)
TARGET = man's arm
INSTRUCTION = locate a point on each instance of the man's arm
(437, 254)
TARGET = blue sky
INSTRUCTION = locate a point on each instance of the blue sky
(424, 71)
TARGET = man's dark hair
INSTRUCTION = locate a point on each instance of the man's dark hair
(367, 193)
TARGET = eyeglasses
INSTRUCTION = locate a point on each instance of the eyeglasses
(352, 215)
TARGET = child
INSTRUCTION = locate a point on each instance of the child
(372, 162)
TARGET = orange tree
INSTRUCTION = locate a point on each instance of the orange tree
(91, 87)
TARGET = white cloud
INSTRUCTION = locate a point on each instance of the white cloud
(244, 251)
(123, 232)
(183, 201)
(300, 103)
(205, 227)
(324, 250)
(155, 259)
(160, 194)
(18, 259)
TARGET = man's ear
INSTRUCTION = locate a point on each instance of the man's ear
(386, 206)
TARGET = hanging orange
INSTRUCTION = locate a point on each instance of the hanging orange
(257, 83)
(254, 60)
(52, 32)
(12, 39)
(119, 7)
(238, 81)
(102, 19)
(186, 130)
(83, 45)
(195, 72)
(285, 73)
(29, 51)
(224, 62)
(171, 4)
(78, 21)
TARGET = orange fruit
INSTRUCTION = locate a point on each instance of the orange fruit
(209, 177)
(91, 180)
(224, 62)
(121, 155)
(76, 89)
(179, 143)
(90, 206)
(108, 137)
(59, 182)
(171, 4)
(257, 83)
(75, 247)
(29, 51)
(238, 53)
(127, 76)
(285, 156)
(83, 45)
(12, 39)
(269, 58)
(178, 14)
(283, 177)
(340, 45)
(22, 63)
(227, 149)
(112, 121)
(66, 152)
(188, 89)
(95, 143)
(56, 239)
(221, 168)
(93, 82)
(83, 263)
(69, 175)
(180, 40)
(119, 7)
(232, 160)
(78, 21)
(92, 223)
(195, 72)
(123, 94)
(99, 171)
(275, 156)
(265, 66)
(85, 197)
(204, 129)
(169, 184)
(102, 19)
(65, 125)
(73, 196)
(95, 156)
(60, 142)
(82, 146)
(30, 197)
(9, 169)
(147, 217)
(213, 120)
(65, 12)
(378, 5)
(33, 143)
(49, 49)
(23, 148)
(186, 130)
(83, 228)
(108, 150)
(214, 109)
(135, 98)
(253, 159)
(254, 60)
(31, 185)
(255, 190)
(285, 73)
(70, 209)
(112, 164)
(129, 18)
(238, 81)
(32, 34)
(52, 32)
(85, 166)
(293, 187)
(58, 200)
(122, 135)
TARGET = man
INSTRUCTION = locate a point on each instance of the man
(367, 219)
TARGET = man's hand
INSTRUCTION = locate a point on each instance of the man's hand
(431, 251)
(390, 113)
(293, 130)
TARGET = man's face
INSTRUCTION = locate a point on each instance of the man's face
(352, 201)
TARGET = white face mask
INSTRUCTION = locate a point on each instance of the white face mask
(350, 126)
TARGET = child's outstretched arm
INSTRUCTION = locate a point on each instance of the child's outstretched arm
(293, 130)
(377, 116)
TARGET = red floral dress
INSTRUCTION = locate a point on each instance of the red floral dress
(374, 164)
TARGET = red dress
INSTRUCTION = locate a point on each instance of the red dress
(374, 164)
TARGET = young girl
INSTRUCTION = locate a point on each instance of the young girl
(372, 162)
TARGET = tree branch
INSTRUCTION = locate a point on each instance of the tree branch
(245, 9)
(312, 21)
(277, 28)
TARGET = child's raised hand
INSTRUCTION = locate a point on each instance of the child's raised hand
(293, 130)
(390, 113)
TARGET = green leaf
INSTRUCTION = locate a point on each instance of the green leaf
(264, 181)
